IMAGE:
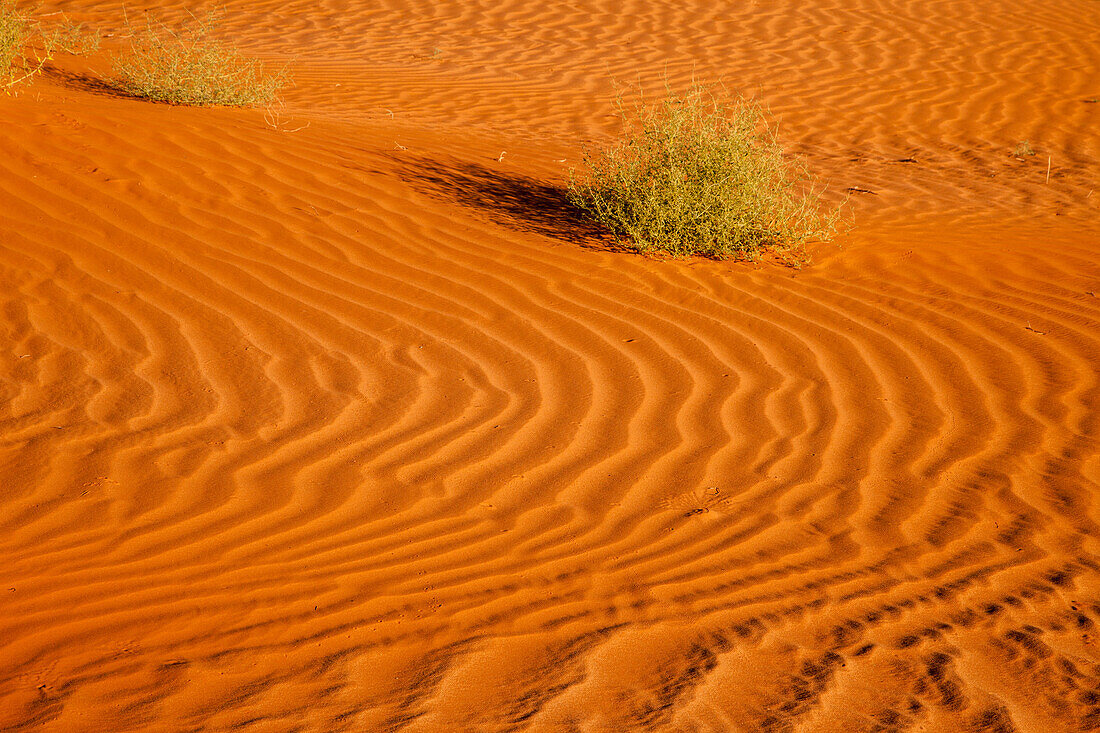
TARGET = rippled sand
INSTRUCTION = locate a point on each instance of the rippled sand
(345, 424)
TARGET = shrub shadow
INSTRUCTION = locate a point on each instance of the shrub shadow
(85, 83)
(516, 202)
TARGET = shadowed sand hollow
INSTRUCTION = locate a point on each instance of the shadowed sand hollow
(348, 423)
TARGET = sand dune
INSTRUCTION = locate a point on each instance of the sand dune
(349, 425)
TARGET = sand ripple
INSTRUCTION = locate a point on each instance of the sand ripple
(354, 428)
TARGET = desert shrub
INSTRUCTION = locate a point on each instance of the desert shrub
(188, 65)
(700, 174)
(26, 46)
(12, 36)
(22, 54)
(71, 38)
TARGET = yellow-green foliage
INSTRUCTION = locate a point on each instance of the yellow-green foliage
(72, 38)
(19, 60)
(696, 174)
(188, 65)
(11, 36)
(26, 47)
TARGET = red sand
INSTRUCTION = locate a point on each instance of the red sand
(342, 426)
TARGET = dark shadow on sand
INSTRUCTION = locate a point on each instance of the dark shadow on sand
(513, 201)
(85, 83)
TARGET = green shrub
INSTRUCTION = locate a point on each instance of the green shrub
(189, 66)
(20, 56)
(696, 174)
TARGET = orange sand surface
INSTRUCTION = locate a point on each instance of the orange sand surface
(345, 423)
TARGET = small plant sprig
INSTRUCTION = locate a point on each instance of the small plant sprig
(189, 66)
(1023, 148)
(699, 174)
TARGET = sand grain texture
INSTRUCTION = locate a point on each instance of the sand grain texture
(352, 425)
